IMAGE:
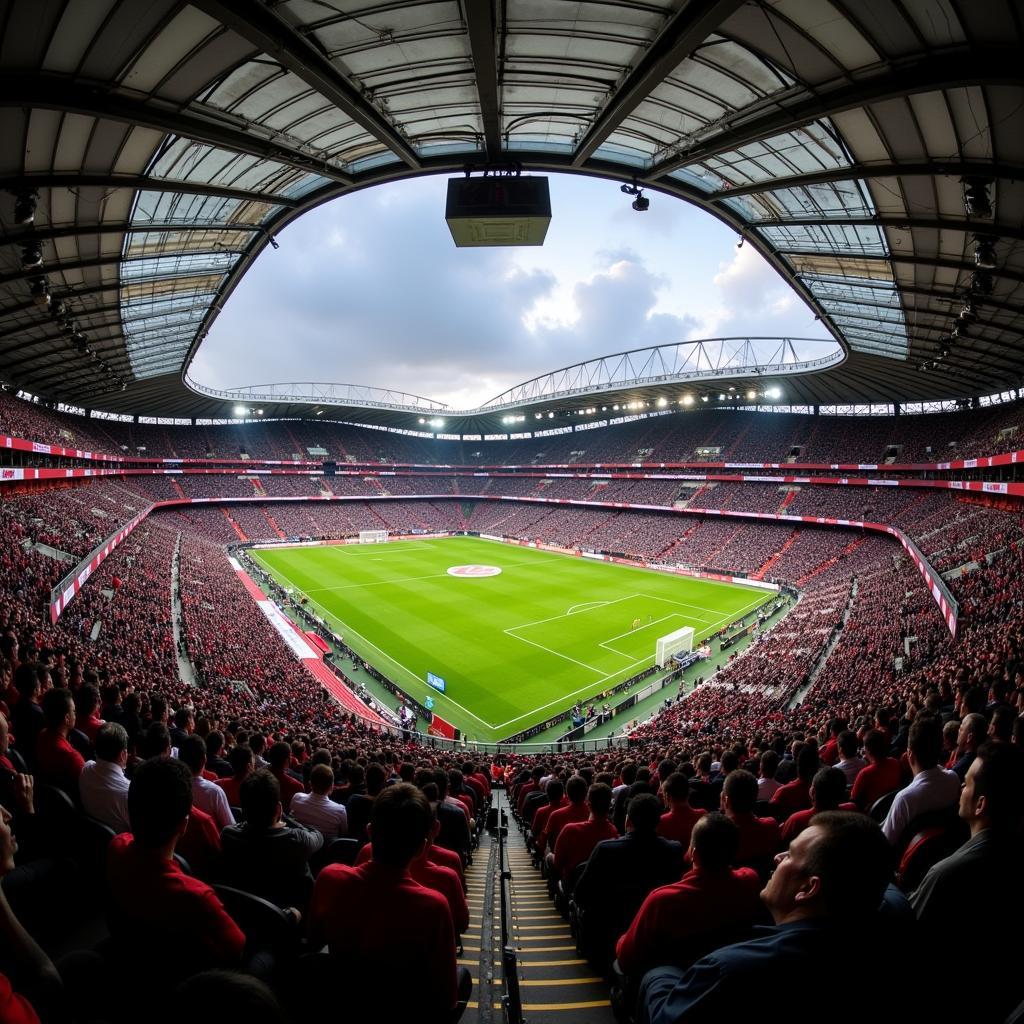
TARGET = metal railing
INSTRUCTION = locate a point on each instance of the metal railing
(511, 1002)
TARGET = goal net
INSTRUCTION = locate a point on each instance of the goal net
(672, 643)
(373, 536)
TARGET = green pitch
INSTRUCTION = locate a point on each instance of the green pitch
(514, 648)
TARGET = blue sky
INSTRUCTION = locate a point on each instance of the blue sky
(370, 289)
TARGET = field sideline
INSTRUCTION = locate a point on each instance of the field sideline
(514, 648)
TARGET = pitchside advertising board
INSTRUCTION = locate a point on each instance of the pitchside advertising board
(436, 682)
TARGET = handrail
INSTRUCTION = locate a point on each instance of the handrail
(511, 1002)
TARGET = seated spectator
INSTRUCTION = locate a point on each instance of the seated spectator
(678, 821)
(206, 795)
(767, 784)
(823, 898)
(850, 762)
(241, 761)
(103, 786)
(213, 997)
(710, 906)
(575, 810)
(796, 795)
(978, 891)
(27, 714)
(31, 967)
(215, 761)
(827, 793)
(882, 774)
(619, 875)
(164, 921)
(87, 705)
(267, 855)
(385, 931)
(57, 761)
(759, 837)
(278, 759)
(556, 799)
(932, 788)
(577, 839)
(969, 737)
(316, 809)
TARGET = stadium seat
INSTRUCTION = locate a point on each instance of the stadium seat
(338, 851)
(880, 808)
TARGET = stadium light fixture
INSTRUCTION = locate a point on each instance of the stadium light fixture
(662, 402)
(40, 290)
(721, 398)
(751, 395)
(774, 392)
(977, 203)
(984, 254)
(687, 399)
(25, 207)
(31, 255)
(240, 410)
(551, 415)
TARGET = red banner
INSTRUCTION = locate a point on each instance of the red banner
(439, 727)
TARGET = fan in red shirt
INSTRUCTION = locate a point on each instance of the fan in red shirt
(796, 795)
(677, 823)
(827, 792)
(380, 924)
(759, 837)
(166, 924)
(882, 774)
(710, 906)
(556, 801)
(242, 762)
(57, 762)
(577, 839)
(575, 810)
(279, 756)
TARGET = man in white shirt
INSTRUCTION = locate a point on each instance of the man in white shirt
(932, 788)
(767, 784)
(206, 795)
(317, 809)
(103, 786)
(850, 762)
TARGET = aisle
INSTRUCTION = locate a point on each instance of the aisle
(556, 985)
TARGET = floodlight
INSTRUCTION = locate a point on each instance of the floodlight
(751, 395)
(25, 207)
(641, 204)
(977, 203)
(421, 419)
(31, 255)
(688, 399)
(982, 283)
(985, 254)
(551, 415)
(240, 410)
(774, 392)
(40, 290)
(704, 398)
(662, 402)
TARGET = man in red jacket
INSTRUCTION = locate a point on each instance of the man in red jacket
(577, 840)
(575, 810)
(759, 837)
(385, 931)
(677, 823)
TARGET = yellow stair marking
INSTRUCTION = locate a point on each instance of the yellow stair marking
(545, 963)
(563, 981)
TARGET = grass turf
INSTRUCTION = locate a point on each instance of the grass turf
(515, 648)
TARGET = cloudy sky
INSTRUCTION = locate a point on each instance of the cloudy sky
(370, 289)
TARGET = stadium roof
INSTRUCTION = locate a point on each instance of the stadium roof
(872, 151)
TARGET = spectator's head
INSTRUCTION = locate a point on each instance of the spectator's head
(87, 700)
(924, 744)
(59, 711)
(241, 761)
(876, 746)
(185, 720)
(714, 842)
(112, 743)
(555, 791)
(599, 799)
(219, 995)
(159, 803)
(156, 742)
(972, 731)
(576, 789)
(260, 797)
(730, 762)
(993, 793)
(629, 770)
(26, 682)
(739, 793)
(643, 814)
(193, 753)
(848, 745)
(1000, 728)
(278, 756)
(321, 779)
(769, 764)
(214, 743)
(828, 789)
(401, 824)
(836, 869)
(807, 763)
(676, 789)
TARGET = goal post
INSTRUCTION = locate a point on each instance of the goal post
(671, 644)
(373, 536)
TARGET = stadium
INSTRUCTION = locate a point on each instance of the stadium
(677, 683)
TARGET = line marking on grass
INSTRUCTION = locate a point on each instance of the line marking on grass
(551, 618)
(586, 604)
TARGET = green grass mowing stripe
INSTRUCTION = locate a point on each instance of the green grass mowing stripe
(576, 615)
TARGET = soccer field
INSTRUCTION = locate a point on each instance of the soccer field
(514, 647)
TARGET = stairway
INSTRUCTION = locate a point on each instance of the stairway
(555, 983)
(273, 524)
(234, 525)
(788, 500)
(177, 488)
(763, 571)
(829, 562)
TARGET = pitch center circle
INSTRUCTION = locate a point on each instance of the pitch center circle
(474, 571)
